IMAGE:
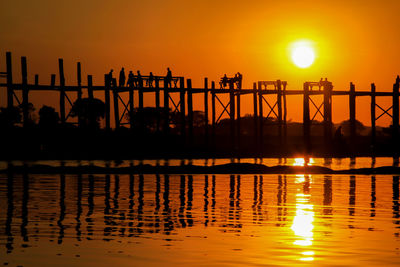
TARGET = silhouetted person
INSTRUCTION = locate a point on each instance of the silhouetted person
(224, 81)
(131, 79)
(168, 78)
(139, 79)
(239, 80)
(122, 78)
(150, 80)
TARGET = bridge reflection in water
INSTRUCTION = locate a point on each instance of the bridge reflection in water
(256, 218)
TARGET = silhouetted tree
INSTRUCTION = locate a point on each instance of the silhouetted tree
(10, 116)
(89, 112)
(31, 115)
(48, 117)
(346, 127)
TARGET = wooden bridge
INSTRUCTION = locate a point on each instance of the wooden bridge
(269, 101)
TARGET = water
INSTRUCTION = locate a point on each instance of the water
(153, 220)
(333, 163)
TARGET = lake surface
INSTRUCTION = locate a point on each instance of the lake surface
(208, 220)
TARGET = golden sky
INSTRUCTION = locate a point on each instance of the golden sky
(354, 41)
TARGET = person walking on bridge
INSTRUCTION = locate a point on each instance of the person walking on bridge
(122, 78)
(168, 78)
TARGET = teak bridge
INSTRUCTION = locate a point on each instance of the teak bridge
(269, 101)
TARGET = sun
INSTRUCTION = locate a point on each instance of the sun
(302, 54)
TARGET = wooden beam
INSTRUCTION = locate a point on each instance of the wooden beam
(279, 104)
(116, 107)
(232, 115)
(131, 107)
(238, 135)
(328, 116)
(261, 120)
(396, 116)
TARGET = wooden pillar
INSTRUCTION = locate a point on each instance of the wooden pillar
(206, 112)
(396, 115)
(131, 106)
(232, 115)
(116, 107)
(107, 81)
(260, 119)
(79, 82)
(166, 108)
(90, 86)
(25, 100)
(53, 81)
(79, 79)
(36, 79)
(352, 102)
(238, 136)
(373, 117)
(62, 90)
(183, 108)
(213, 133)
(10, 90)
(284, 118)
(306, 118)
(279, 104)
(328, 116)
(190, 110)
(158, 104)
(255, 117)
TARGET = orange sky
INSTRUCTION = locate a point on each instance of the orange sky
(354, 40)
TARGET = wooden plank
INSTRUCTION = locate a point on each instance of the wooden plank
(79, 79)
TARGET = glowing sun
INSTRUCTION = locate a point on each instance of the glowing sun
(302, 54)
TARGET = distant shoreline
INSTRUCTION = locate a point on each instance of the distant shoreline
(231, 168)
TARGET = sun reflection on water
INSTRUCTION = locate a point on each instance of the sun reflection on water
(303, 220)
(303, 161)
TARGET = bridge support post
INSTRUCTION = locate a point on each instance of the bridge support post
(10, 89)
(206, 113)
(62, 90)
(328, 116)
(261, 120)
(352, 103)
(255, 118)
(107, 82)
(25, 92)
(306, 118)
(373, 118)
